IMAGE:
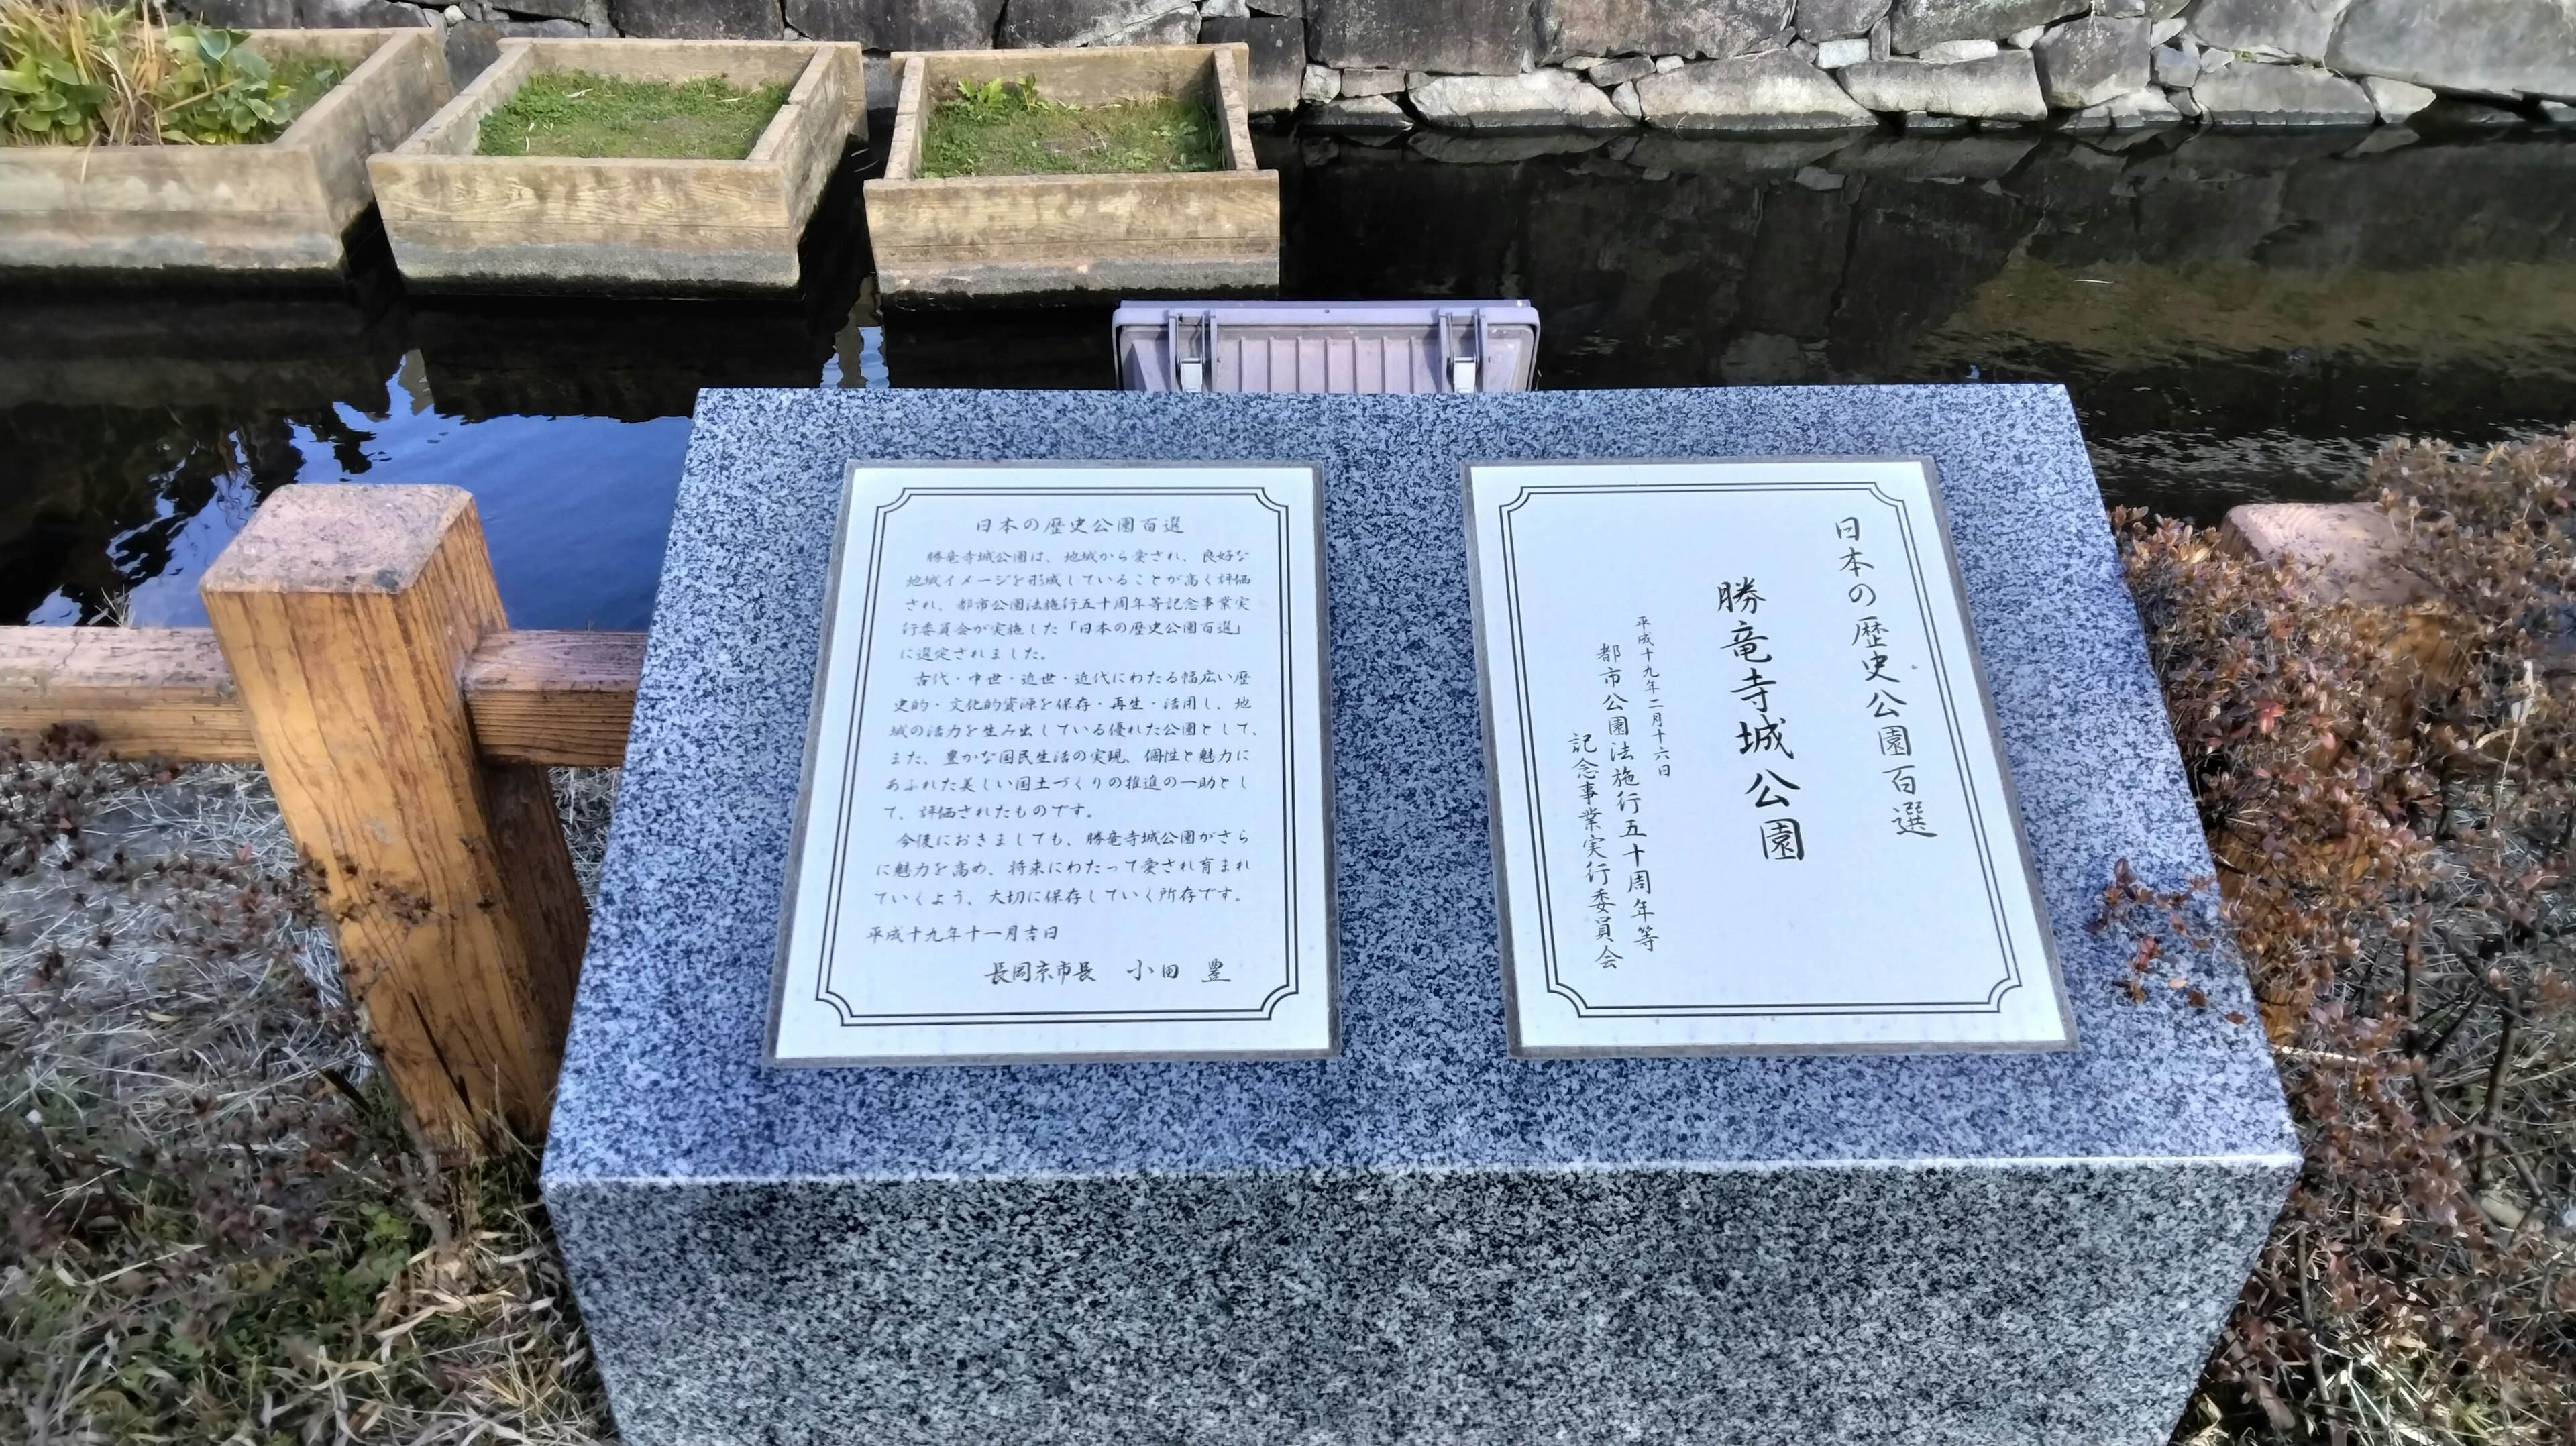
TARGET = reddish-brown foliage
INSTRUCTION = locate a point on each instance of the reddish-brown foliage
(2390, 795)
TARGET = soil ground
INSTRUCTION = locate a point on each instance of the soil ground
(213, 1225)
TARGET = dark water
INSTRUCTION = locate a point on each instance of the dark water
(2238, 318)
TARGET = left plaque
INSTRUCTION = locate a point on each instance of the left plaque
(1066, 791)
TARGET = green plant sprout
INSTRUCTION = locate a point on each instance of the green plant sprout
(1005, 128)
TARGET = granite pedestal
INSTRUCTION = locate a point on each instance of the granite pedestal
(1423, 1240)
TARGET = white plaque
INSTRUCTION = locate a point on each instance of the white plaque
(1066, 792)
(1747, 790)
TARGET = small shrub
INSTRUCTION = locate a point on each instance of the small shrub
(2390, 796)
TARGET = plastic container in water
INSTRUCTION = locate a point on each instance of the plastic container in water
(1325, 346)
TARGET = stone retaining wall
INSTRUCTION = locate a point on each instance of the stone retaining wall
(1703, 66)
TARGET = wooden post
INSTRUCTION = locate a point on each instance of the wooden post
(347, 615)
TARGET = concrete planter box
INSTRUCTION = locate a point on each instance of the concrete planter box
(277, 208)
(463, 222)
(1021, 236)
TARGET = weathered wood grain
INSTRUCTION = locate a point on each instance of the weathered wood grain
(1172, 275)
(710, 238)
(158, 181)
(994, 215)
(558, 698)
(392, 88)
(903, 149)
(499, 194)
(1231, 102)
(347, 615)
(144, 691)
(806, 145)
(457, 128)
(744, 62)
(1086, 76)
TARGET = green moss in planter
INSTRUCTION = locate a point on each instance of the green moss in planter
(576, 113)
(1004, 128)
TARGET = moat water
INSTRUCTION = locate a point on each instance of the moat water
(2237, 318)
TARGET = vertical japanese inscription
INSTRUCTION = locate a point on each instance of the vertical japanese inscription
(1066, 795)
(1779, 819)
(1871, 641)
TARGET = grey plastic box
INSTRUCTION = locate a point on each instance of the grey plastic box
(1325, 346)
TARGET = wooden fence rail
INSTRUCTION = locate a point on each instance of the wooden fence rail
(359, 652)
(534, 697)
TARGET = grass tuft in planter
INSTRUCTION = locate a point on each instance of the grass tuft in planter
(671, 167)
(1005, 128)
(1053, 175)
(577, 113)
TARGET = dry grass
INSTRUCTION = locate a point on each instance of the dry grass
(218, 1228)
(107, 64)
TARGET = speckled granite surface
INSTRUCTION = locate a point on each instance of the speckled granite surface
(1423, 1240)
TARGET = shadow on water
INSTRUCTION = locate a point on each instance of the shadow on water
(142, 427)
(2237, 317)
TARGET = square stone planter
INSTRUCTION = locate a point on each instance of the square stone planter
(1033, 236)
(463, 222)
(278, 208)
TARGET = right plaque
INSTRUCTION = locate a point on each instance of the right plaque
(1748, 793)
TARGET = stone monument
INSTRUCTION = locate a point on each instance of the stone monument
(1706, 1227)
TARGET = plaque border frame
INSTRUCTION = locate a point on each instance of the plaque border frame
(1328, 863)
(1992, 1002)
(1478, 606)
(1288, 988)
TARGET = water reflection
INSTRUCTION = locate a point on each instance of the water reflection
(98, 502)
(141, 429)
(2237, 317)
(612, 358)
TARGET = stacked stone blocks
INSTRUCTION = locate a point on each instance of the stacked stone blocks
(1707, 66)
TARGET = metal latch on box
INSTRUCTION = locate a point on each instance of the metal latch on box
(1190, 373)
(1463, 371)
